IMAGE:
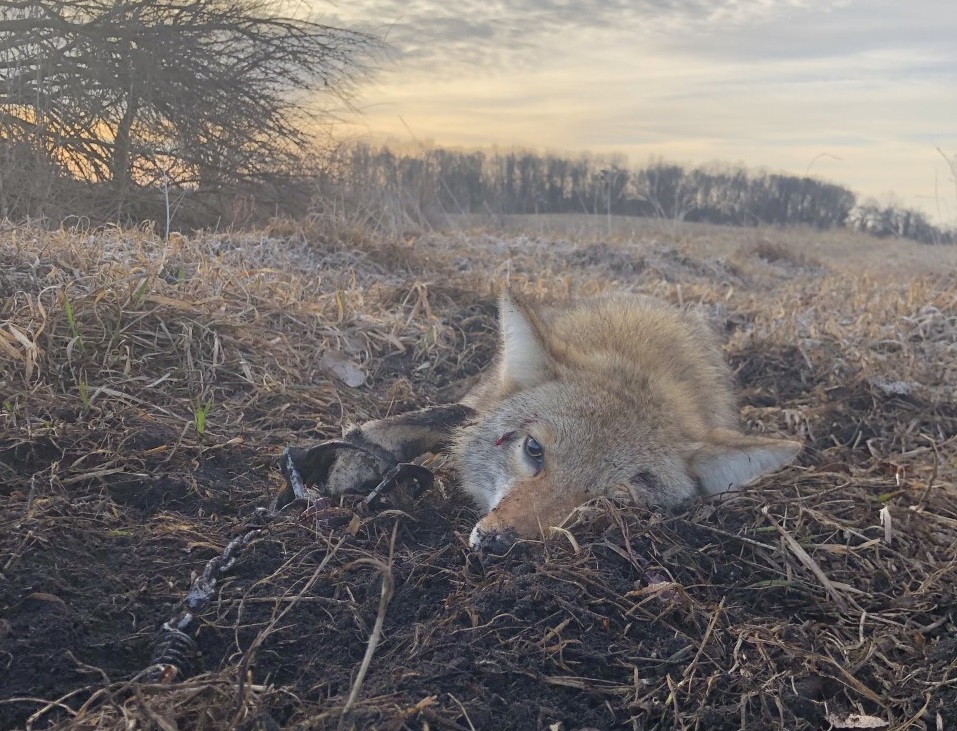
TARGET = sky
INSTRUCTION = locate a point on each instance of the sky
(857, 92)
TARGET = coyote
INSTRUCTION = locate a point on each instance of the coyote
(615, 396)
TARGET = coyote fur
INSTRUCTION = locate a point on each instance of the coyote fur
(615, 396)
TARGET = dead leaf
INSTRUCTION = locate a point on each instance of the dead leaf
(342, 368)
(891, 387)
(42, 596)
(855, 720)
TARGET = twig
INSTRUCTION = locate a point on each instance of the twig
(388, 584)
(261, 637)
(933, 475)
(464, 712)
(809, 562)
(704, 640)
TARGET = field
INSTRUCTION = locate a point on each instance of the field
(148, 389)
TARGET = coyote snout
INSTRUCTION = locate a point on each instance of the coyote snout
(618, 395)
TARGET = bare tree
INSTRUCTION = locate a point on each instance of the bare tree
(195, 94)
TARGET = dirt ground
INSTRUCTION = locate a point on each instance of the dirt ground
(148, 389)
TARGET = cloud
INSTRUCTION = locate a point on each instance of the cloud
(766, 82)
(436, 36)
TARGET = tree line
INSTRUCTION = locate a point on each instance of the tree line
(200, 111)
(527, 182)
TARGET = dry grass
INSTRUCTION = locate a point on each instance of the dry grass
(841, 250)
(147, 389)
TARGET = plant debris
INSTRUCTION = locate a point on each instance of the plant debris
(150, 387)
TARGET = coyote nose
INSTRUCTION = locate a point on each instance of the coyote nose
(494, 541)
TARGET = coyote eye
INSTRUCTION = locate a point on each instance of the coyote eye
(534, 452)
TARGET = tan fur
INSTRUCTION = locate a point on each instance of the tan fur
(620, 393)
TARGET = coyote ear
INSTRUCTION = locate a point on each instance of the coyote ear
(730, 459)
(524, 357)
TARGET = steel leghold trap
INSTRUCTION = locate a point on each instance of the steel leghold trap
(175, 654)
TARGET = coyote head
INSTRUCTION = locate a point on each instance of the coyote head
(569, 417)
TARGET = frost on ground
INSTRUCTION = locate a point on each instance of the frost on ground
(148, 388)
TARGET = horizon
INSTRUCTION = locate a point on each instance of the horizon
(861, 94)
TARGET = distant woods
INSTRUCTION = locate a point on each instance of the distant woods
(203, 113)
(520, 182)
(131, 101)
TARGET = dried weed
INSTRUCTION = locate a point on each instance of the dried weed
(148, 387)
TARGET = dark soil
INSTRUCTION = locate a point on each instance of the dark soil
(703, 611)
(827, 590)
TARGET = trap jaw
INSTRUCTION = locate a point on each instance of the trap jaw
(175, 652)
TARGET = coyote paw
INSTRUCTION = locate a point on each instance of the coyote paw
(351, 464)
(336, 466)
(352, 471)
